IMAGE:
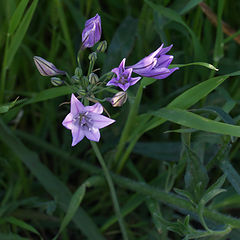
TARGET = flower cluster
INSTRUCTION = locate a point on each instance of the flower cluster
(85, 121)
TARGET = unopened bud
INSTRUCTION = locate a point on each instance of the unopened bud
(75, 78)
(92, 57)
(118, 99)
(78, 72)
(82, 92)
(46, 68)
(102, 46)
(56, 81)
(93, 78)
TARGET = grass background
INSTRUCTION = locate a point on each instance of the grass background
(39, 169)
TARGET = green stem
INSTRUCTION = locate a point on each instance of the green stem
(4, 70)
(126, 130)
(112, 189)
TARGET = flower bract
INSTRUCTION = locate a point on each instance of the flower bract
(85, 121)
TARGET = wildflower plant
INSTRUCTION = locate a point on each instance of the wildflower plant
(190, 189)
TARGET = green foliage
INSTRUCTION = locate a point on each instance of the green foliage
(176, 141)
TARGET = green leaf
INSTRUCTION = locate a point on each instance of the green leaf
(219, 112)
(6, 107)
(10, 236)
(185, 194)
(20, 33)
(196, 178)
(21, 224)
(191, 96)
(73, 207)
(232, 175)
(189, 5)
(191, 120)
(49, 181)
(196, 93)
(176, 17)
(17, 16)
(121, 44)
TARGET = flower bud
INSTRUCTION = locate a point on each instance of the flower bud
(93, 78)
(78, 72)
(102, 46)
(92, 57)
(118, 99)
(46, 68)
(56, 81)
(75, 79)
(92, 32)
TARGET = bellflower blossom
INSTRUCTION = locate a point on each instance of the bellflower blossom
(85, 121)
(92, 32)
(155, 65)
(123, 77)
(46, 68)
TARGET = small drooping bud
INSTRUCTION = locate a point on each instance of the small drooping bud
(46, 68)
(118, 99)
(93, 78)
(102, 46)
(92, 57)
(92, 32)
(78, 72)
(56, 81)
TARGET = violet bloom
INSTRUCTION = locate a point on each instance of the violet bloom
(92, 32)
(123, 77)
(155, 65)
(46, 68)
(85, 121)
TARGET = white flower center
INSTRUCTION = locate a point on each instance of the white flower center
(84, 120)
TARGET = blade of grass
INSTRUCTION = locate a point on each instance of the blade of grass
(49, 181)
(12, 47)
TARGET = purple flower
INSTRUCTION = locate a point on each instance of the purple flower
(85, 121)
(46, 68)
(92, 32)
(123, 77)
(155, 65)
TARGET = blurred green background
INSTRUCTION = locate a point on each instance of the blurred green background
(39, 168)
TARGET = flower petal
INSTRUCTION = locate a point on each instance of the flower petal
(77, 134)
(162, 75)
(164, 61)
(96, 108)
(76, 106)
(134, 80)
(164, 50)
(92, 134)
(122, 65)
(67, 122)
(100, 121)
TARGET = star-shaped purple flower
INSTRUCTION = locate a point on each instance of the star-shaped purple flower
(92, 32)
(123, 77)
(85, 121)
(155, 65)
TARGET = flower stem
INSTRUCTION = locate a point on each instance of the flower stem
(112, 189)
(127, 128)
